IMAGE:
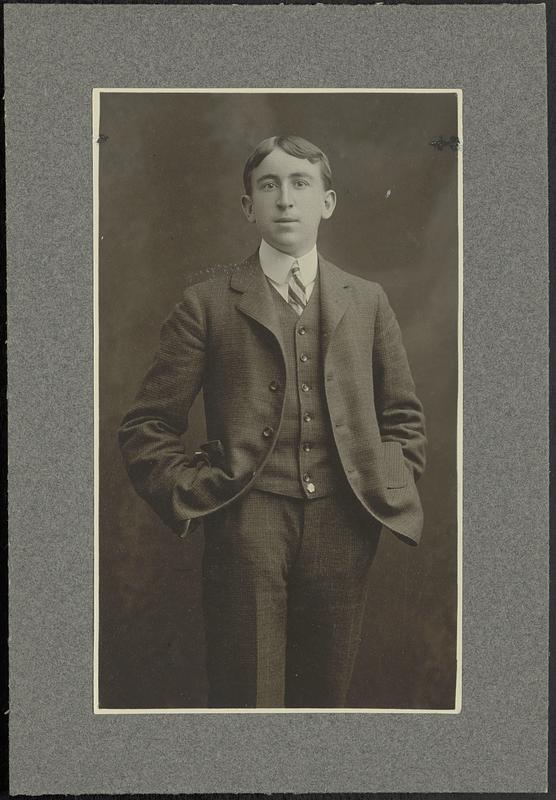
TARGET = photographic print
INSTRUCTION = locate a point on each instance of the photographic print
(278, 308)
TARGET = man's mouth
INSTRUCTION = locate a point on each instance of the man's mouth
(286, 219)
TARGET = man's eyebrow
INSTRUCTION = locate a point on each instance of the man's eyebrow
(291, 175)
(267, 177)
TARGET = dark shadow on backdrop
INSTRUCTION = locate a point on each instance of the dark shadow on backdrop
(170, 182)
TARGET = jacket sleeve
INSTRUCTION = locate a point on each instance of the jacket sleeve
(150, 433)
(399, 411)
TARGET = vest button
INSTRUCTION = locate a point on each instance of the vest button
(307, 478)
(306, 446)
(273, 386)
(303, 357)
(268, 431)
(307, 417)
(305, 387)
(302, 330)
(311, 488)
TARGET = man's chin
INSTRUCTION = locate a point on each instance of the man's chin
(289, 244)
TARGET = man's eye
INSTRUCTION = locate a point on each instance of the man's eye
(268, 185)
(301, 184)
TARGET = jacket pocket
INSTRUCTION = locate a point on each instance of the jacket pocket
(211, 453)
(394, 462)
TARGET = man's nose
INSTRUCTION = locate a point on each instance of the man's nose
(284, 199)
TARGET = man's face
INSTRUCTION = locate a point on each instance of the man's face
(288, 201)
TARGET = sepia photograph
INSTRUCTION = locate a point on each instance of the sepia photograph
(278, 392)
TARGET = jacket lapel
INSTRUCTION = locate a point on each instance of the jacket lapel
(256, 299)
(335, 297)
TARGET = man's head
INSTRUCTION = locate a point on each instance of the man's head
(288, 190)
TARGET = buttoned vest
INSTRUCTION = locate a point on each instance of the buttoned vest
(304, 461)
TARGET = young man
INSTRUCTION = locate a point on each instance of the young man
(316, 441)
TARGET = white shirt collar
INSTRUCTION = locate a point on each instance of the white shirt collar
(276, 265)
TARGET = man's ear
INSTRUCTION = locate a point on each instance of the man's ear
(247, 206)
(329, 203)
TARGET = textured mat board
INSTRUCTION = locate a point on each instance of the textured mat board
(55, 55)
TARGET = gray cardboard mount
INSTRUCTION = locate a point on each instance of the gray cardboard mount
(55, 56)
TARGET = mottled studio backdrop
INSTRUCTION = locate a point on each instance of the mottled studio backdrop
(170, 183)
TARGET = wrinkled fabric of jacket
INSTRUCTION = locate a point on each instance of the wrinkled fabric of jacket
(224, 337)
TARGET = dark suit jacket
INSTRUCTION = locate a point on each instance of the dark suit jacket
(224, 337)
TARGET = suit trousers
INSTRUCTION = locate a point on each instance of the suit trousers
(284, 591)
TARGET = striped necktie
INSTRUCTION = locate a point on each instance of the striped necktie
(296, 291)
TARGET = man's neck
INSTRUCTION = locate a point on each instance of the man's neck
(277, 265)
(300, 253)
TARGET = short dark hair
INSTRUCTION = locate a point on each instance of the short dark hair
(293, 146)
